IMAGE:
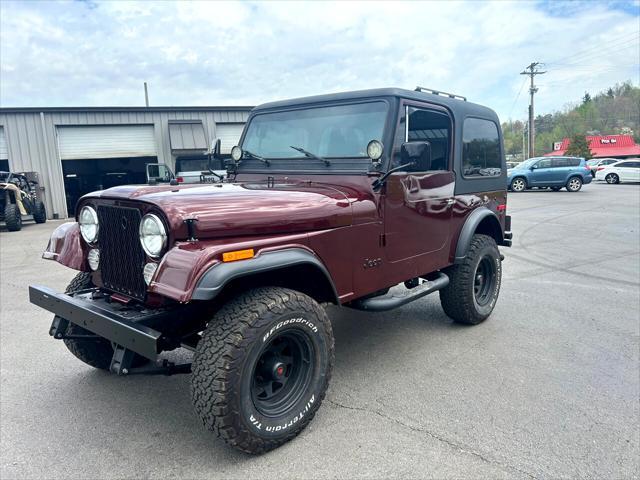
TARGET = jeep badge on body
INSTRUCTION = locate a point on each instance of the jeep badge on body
(328, 199)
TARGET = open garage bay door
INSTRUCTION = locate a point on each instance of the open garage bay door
(229, 135)
(101, 157)
(121, 141)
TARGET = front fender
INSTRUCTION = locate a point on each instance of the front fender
(67, 248)
(194, 271)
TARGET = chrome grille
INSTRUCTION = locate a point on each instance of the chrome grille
(121, 256)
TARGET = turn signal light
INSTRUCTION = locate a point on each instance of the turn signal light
(237, 255)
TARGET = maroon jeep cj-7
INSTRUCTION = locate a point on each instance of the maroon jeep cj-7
(333, 199)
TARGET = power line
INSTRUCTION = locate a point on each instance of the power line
(517, 97)
(624, 38)
(532, 70)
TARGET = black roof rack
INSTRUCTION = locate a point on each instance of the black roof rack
(438, 92)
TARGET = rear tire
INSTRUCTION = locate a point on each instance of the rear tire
(474, 284)
(262, 368)
(612, 178)
(40, 213)
(12, 217)
(574, 184)
(518, 184)
(94, 352)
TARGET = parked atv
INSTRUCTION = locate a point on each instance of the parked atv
(19, 201)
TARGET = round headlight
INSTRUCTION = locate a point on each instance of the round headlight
(374, 150)
(88, 221)
(153, 236)
(236, 153)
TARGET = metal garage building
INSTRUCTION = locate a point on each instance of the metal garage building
(75, 150)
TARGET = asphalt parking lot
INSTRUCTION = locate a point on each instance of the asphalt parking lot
(547, 387)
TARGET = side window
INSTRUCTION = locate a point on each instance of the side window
(623, 165)
(573, 162)
(559, 162)
(544, 163)
(435, 128)
(481, 155)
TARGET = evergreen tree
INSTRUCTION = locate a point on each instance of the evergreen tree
(586, 98)
(579, 147)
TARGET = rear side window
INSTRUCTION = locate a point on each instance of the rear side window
(481, 148)
(560, 162)
(624, 165)
(572, 162)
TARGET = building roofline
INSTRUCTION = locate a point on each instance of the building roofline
(125, 109)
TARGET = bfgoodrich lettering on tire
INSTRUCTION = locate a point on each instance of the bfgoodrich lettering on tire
(474, 283)
(262, 368)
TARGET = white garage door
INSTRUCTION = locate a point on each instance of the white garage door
(106, 141)
(4, 152)
(229, 135)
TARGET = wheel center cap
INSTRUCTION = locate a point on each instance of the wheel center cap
(278, 370)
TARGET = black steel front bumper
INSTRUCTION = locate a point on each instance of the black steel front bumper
(124, 326)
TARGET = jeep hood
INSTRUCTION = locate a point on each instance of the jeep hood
(236, 209)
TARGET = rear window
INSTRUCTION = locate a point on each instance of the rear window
(481, 148)
(191, 165)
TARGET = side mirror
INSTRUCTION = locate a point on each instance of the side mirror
(418, 152)
(534, 167)
(214, 154)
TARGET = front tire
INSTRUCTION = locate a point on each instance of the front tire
(518, 184)
(612, 178)
(12, 217)
(94, 352)
(574, 184)
(474, 284)
(262, 368)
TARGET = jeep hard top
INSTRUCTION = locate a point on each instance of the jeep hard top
(367, 200)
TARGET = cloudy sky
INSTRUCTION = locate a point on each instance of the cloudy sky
(92, 53)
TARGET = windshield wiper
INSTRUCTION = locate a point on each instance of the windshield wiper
(308, 154)
(247, 153)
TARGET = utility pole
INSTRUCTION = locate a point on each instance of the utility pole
(146, 95)
(532, 71)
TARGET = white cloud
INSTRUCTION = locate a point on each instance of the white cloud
(207, 53)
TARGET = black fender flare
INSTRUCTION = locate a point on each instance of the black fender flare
(214, 280)
(469, 228)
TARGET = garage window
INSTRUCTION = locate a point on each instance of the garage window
(481, 155)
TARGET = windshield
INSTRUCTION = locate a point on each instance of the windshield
(526, 163)
(329, 132)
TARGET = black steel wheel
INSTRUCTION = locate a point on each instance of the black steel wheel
(484, 281)
(262, 368)
(474, 283)
(282, 373)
